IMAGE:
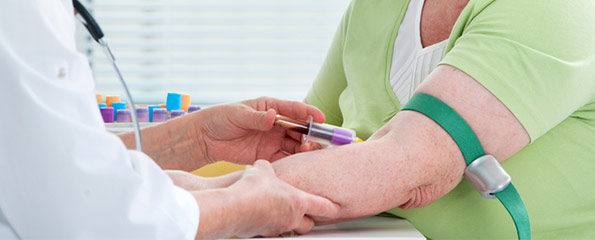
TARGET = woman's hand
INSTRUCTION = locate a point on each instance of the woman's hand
(259, 204)
(244, 132)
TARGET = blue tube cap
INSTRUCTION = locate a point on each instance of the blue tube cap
(174, 101)
(151, 108)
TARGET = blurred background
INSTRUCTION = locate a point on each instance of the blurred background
(215, 50)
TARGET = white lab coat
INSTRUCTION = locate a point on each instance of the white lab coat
(62, 175)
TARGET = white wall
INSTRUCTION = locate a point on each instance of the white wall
(215, 50)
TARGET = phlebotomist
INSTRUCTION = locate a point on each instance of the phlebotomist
(63, 176)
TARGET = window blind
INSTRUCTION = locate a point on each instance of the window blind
(215, 50)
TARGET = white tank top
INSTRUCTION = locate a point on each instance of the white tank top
(411, 62)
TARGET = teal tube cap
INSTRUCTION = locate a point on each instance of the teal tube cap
(174, 101)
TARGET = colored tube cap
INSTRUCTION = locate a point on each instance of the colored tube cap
(342, 137)
(174, 101)
(111, 99)
(99, 98)
(177, 113)
(101, 105)
(123, 115)
(142, 114)
(193, 108)
(185, 102)
(117, 106)
(151, 108)
(160, 115)
(107, 114)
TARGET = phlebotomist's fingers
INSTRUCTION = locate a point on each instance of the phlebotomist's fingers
(291, 109)
(305, 226)
(319, 207)
(290, 145)
(252, 119)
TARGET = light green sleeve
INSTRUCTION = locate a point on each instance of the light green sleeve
(537, 57)
(330, 82)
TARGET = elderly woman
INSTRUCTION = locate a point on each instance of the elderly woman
(520, 73)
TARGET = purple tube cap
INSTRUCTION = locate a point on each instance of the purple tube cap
(107, 114)
(177, 113)
(342, 137)
(142, 114)
(160, 115)
(123, 115)
(193, 108)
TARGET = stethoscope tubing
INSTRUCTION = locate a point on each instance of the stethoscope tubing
(97, 34)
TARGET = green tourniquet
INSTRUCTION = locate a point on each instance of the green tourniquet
(537, 57)
(450, 121)
(471, 148)
(513, 203)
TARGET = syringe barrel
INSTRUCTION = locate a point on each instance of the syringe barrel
(330, 135)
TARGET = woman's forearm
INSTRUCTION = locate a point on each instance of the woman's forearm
(396, 169)
(175, 144)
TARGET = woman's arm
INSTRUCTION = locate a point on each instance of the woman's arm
(411, 161)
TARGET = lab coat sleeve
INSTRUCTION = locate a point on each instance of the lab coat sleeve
(62, 175)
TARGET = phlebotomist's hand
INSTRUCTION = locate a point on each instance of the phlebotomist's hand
(259, 203)
(237, 132)
(244, 132)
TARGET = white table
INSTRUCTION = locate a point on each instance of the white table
(367, 228)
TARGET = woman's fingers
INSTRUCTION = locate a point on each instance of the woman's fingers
(304, 226)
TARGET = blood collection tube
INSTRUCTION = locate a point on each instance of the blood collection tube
(107, 113)
(177, 113)
(185, 102)
(173, 101)
(325, 134)
(160, 115)
(117, 106)
(110, 99)
(142, 114)
(292, 124)
(151, 108)
(99, 98)
(193, 108)
(123, 115)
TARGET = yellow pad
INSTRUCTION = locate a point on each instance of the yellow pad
(218, 169)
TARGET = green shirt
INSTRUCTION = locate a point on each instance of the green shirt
(537, 57)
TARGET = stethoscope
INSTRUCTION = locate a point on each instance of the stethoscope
(97, 34)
